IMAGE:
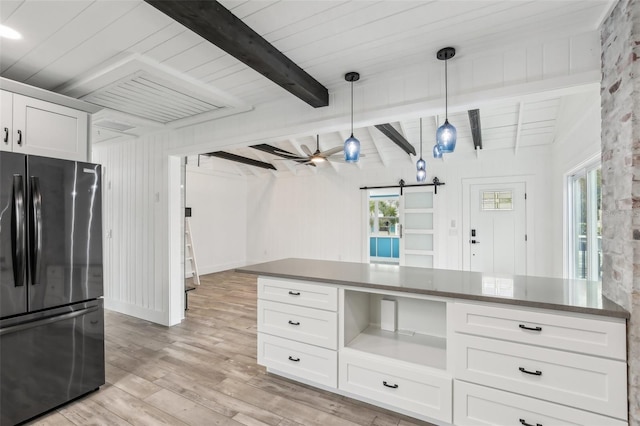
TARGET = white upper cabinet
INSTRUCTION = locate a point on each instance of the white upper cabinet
(6, 121)
(43, 128)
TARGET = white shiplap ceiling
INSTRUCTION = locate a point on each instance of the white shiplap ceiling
(67, 44)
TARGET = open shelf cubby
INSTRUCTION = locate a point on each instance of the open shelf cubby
(420, 337)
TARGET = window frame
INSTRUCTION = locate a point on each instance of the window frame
(587, 171)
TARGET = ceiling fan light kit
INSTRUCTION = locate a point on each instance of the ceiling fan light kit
(446, 134)
(351, 145)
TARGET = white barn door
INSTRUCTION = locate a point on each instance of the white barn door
(417, 239)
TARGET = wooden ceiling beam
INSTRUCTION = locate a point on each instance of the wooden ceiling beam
(476, 128)
(241, 159)
(389, 131)
(218, 25)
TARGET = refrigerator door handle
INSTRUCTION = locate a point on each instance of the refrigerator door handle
(36, 203)
(48, 320)
(18, 233)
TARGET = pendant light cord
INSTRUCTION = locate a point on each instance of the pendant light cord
(420, 137)
(352, 109)
(446, 93)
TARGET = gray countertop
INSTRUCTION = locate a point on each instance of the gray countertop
(550, 293)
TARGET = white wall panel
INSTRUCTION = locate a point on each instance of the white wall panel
(135, 224)
(219, 219)
(324, 216)
(577, 141)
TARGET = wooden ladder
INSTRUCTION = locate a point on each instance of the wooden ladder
(190, 254)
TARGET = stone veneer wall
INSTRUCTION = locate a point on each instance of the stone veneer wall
(620, 97)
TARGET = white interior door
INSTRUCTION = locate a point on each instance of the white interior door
(417, 234)
(496, 229)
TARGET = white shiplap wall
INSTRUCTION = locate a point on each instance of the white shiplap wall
(136, 223)
(141, 274)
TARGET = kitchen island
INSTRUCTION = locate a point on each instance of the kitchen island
(448, 347)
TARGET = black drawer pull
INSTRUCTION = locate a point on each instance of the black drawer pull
(294, 359)
(294, 322)
(524, 327)
(533, 373)
(294, 293)
(524, 423)
(390, 386)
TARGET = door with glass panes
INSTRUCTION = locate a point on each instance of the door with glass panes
(417, 218)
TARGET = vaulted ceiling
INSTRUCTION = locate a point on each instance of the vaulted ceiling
(149, 72)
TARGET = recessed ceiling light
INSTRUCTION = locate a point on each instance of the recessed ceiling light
(7, 32)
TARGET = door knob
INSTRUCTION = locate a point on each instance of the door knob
(474, 241)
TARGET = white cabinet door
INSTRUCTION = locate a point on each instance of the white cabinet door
(49, 130)
(6, 120)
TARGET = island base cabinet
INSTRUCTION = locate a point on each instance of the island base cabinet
(298, 359)
(480, 405)
(407, 387)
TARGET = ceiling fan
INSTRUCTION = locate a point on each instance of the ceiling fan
(313, 158)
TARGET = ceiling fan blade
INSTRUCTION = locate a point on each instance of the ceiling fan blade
(306, 150)
(340, 159)
(291, 158)
(332, 151)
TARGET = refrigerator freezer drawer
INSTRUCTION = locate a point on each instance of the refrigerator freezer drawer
(50, 358)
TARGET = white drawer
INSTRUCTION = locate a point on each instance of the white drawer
(298, 293)
(479, 405)
(306, 325)
(397, 384)
(586, 382)
(298, 359)
(590, 335)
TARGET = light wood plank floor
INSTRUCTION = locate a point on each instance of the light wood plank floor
(204, 372)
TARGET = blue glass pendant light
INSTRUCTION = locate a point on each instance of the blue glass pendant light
(446, 134)
(421, 165)
(436, 151)
(351, 145)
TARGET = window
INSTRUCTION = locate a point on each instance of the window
(585, 224)
(384, 229)
(383, 215)
(497, 200)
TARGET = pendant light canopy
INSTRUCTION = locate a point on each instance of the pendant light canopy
(351, 145)
(421, 165)
(446, 134)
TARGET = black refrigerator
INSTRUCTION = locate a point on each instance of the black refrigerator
(51, 313)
